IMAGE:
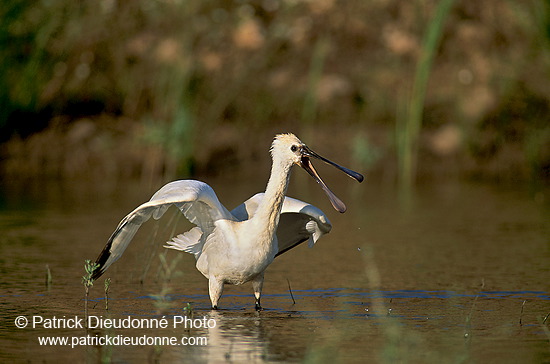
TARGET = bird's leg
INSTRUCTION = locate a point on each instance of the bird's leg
(257, 285)
(215, 288)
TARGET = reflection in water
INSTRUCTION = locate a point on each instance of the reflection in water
(430, 258)
(239, 338)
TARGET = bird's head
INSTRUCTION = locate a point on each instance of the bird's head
(290, 148)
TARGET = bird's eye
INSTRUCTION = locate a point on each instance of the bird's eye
(294, 148)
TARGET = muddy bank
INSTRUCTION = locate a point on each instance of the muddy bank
(107, 148)
(172, 89)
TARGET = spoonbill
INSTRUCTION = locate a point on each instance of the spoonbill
(236, 247)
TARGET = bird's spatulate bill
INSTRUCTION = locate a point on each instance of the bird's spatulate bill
(306, 164)
(334, 200)
(356, 176)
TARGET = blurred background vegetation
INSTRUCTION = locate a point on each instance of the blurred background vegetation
(168, 88)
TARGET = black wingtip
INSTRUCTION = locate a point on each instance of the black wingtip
(100, 264)
(98, 272)
(101, 260)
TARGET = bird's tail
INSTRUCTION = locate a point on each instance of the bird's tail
(189, 242)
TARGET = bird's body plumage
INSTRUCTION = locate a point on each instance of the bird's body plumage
(231, 247)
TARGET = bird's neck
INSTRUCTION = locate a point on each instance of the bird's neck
(269, 210)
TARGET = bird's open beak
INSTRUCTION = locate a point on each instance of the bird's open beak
(305, 163)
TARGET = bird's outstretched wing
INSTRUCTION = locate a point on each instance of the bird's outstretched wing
(299, 221)
(196, 200)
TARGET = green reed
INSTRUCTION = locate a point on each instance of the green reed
(316, 66)
(87, 281)
(107, 285)
(48, 277)
(408, 130)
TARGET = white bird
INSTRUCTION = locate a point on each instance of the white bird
(236, 247)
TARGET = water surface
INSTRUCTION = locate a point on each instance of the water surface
(457, 273)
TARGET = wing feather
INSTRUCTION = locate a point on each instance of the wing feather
(299, 221)
(196, 200)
